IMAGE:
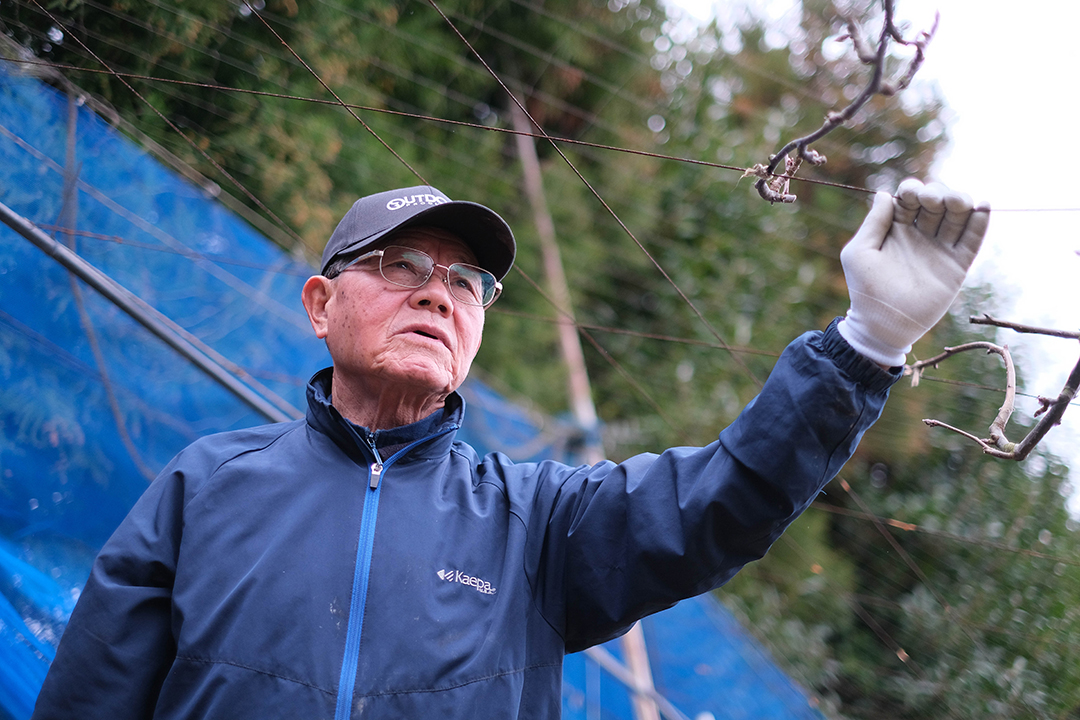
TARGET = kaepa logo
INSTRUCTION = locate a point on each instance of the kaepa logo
(409, 200)
(456, 576)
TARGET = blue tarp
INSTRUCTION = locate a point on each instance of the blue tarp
(703, 662)
(92, 405)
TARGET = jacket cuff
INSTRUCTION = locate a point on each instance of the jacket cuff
(856, 366)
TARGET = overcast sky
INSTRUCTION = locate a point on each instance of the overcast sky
(1010, 80)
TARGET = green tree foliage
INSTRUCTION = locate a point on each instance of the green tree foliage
(758, 273)
(964, 609)
(946, 584)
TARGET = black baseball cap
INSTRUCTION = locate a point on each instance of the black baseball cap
(373, 217)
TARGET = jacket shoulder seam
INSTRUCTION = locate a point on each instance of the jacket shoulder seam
(233, 456)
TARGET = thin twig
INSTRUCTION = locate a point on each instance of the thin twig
(1050, 410)
(773, 191)
(997, 444)
(1030, 329)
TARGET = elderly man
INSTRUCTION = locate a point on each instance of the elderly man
(361, 563)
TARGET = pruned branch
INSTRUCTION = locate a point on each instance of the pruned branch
(1030, 329)
(1050, 410)
(774, 187)
(919, 43)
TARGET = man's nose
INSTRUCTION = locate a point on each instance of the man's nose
(436, 291)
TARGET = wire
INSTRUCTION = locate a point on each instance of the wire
(446, 121)
(605, 354)
(186, 252)
(600, 199)
(916, 528)
(330, 90)
(610, 148)
(688, 160)
(475, 126)
(177, 130)
(535, 52)
(181, 252)
(258, 296)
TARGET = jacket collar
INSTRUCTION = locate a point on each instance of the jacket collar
(441, 425)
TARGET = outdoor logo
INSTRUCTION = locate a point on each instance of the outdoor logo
(410, 200)
(456, 576)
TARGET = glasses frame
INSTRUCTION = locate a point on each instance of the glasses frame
(445, 278)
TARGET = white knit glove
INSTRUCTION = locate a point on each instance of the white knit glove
(905, 265)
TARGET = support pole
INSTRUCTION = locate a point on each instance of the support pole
(192, 349)
(637, 657)
(581, 403)
(616, 669)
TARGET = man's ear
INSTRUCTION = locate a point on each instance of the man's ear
(316, 293)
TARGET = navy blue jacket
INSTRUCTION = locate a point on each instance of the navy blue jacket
(293, 571)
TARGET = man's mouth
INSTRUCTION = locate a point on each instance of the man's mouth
(428, 332)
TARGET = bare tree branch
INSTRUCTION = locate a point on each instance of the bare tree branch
(774, 187)
(989, 320)
(1050, 410)
(920, 43)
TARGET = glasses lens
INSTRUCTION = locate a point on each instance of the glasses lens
(471, 284)
(411, 268)
(405, 267)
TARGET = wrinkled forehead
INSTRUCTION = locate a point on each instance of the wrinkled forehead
(443, 245)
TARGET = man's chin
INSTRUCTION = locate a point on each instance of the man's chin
(423, 376)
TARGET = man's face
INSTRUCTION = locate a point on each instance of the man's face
(420, 339)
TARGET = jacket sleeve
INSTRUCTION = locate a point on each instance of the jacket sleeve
(118, 645)
(619, 542)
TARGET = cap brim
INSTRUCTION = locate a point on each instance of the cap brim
(486, 234)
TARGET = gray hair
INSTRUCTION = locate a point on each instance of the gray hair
(338, 264)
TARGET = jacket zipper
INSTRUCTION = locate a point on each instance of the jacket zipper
(362, 574)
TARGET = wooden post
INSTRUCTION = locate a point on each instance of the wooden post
(637, 658)
(580, 394)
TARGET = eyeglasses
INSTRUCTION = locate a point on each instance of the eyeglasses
(411, 268)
